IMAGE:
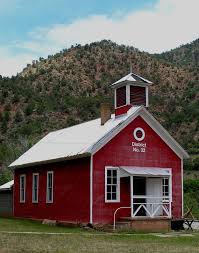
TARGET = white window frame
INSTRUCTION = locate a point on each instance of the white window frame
(47, 188)
(33, 190)
(24, 189)
(164, 185)
(117, 186)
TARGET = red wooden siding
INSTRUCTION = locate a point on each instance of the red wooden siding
(137, 95)
(121, 96)
(122, 110)
(71, 192)
(119, 152)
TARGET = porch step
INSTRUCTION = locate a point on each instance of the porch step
(122, 225)
(145, 224)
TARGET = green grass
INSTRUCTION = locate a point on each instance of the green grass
(78, 240)
(20, 225)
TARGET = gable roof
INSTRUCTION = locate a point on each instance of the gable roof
(7, 186)
(75, 141)
(87, 138)
(132, 78)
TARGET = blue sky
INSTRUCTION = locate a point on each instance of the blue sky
(22, 16)
(30, 29)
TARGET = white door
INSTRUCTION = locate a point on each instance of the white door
(154, 189)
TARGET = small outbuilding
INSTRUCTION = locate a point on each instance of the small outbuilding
(6, 199)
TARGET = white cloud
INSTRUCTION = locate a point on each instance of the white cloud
(169, 24)
(13, 64)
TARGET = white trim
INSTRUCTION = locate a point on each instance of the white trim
(163, 134)
(118, 184)
(47, 189)
(13, 200)
(105, 139)
(37, 199)
(147, 96)
(128, 94)
(182, 185)
(170, 185)
(115, 99)
(135, 132)
(91, 189)
(131, 194)
(24, 200)
(152, 122)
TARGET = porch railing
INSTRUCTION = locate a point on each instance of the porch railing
(151, 206)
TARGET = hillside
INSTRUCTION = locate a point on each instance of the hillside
(67, 88)
(183, 56)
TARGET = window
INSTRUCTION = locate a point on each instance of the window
(22, 188)
(112, 185)
(165, 188)
(35, 187)
(49, 195)
(121, 96)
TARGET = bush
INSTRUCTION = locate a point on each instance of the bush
(191, 185)
(5, 176)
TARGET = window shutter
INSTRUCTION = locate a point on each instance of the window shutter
(137, 95)
(121, 96)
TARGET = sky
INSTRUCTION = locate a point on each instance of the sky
(37, 28)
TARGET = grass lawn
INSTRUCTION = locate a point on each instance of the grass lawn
(78, 240)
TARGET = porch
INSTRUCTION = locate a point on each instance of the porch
(150, 197)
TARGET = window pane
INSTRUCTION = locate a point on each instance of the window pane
(109, 180)
(113, 188)
(108, 188)
(114, 180)
(108, 173)
(50, 180)
(35, 181)
(114, 196)
(22, 182)
(108, 196)
(114, 173)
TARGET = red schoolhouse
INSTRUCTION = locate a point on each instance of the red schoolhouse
(124, 164)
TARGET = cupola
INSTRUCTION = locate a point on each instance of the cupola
(130, 90)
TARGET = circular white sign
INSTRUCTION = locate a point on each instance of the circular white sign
(139, 134)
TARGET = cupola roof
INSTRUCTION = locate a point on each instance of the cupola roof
(132, 78)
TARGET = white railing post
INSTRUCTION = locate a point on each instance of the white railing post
(114, 215)
(169, 208)
(153, 206)
(132, 203)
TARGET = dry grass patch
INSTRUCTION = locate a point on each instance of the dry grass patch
(84, 242)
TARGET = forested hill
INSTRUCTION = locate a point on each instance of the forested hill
(184, 56)
(67, 88)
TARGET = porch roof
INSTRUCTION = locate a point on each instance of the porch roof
(145, 171)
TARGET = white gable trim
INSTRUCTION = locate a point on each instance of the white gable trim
(91, 190)
(163, 134)
(153, 123)
(110, 135)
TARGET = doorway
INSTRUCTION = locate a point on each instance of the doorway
(139, 189)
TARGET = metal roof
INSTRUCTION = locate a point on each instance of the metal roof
(86, 138)
(132, 78)
(70, 142)
(7, 186)
(145, 171)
